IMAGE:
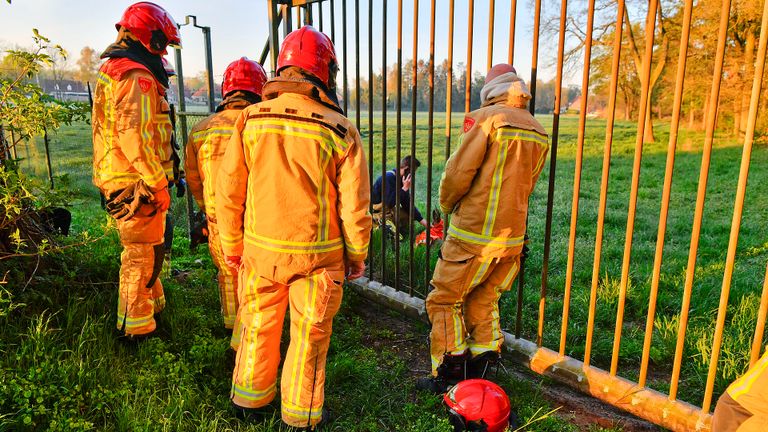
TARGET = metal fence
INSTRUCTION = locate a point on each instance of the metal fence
(633, 395)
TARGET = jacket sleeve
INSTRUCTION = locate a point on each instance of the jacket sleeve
(354, 200)
(540, 157)
(137, 138)
(231, 192)
(461, 168)
(194, 182)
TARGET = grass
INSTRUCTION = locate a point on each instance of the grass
(62, 369)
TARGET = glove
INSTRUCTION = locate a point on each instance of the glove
(181, 188)
(354, 269)
(234, 262)
(161, 199)
(122, 205)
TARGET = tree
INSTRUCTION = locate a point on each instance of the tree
(87, 65)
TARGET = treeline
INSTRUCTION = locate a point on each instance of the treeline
(545, 91)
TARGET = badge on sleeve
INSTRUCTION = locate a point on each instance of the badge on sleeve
(468, 123)
(145, 84)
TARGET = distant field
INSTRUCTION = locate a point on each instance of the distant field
(72, 157)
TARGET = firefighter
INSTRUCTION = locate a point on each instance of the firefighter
(485, 186)
(132, 156)
(388, 210)
(744, 405)
(292, 203)
(243, 80)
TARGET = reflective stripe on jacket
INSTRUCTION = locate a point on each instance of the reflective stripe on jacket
(293, 186)
(487, 181)
(205, 150)
(751, 389)
(131, 128)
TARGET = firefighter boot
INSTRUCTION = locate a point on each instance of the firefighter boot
(452, 370)
(481, 365)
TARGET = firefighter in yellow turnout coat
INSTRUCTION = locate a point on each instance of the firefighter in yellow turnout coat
(292, 205)
(132, 156)
(744, 405)
(485, 188)
(243, 81)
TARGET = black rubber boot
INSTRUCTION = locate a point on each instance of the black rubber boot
(483, 364)
(452, 370)
(254, 415)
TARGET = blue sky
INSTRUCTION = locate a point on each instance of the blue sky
(241, 28)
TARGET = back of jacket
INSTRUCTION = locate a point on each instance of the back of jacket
(293, 188)
(131, 128)
(206, 145)
(487, 181)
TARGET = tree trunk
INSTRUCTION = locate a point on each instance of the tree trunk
(691, 115)
(648, 130)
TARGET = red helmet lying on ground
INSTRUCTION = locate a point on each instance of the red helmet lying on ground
(243, 74)
(478, 405)
(152, 25)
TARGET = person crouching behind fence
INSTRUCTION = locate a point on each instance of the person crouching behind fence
(243, 81)
(292, 201)
(485, 186)
(744, 405)
(132, 156)
(387, 209)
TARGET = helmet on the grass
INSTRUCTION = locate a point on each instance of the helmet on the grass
(243, 74)
(152, 25)
(478, 405)
(310, 50)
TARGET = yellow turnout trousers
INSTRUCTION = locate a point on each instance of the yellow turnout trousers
(265, 293)
(142, 240)
(463, 307)
(227, 283)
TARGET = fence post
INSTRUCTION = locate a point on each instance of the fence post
(48, 156)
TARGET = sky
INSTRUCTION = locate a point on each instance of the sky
(240, 28)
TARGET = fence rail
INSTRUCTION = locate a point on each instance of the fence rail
(386, 254)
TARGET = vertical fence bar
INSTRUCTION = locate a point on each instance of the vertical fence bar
(470, 30)
(449, 85)
(344, 48)
(512, 22)
(552, 167)
(308, 18)
(357, 65)
(738, 206)
(700, 195)
(414, 100)
(666, 192)
(274, 43)
(320, 15)
(370, 124)
(209, 68)
(491, 22)
(448, 99)
(610, 121)
(333, 21)
(298, 16)
(645, 78)
(577, 179)
(757, 341)
(430, 141)
(183, 107)
(384, 133)
(287, 20)
(398, 145)
(535, 55)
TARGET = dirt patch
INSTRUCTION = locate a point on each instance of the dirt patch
(409, 340)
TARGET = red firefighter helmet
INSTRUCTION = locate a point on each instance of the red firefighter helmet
(310, 50)
(243, 74)
(478, 405)
(152, 25)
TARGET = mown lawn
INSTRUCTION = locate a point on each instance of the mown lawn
(61, 367)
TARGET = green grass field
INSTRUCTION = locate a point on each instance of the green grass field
(62, 369)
